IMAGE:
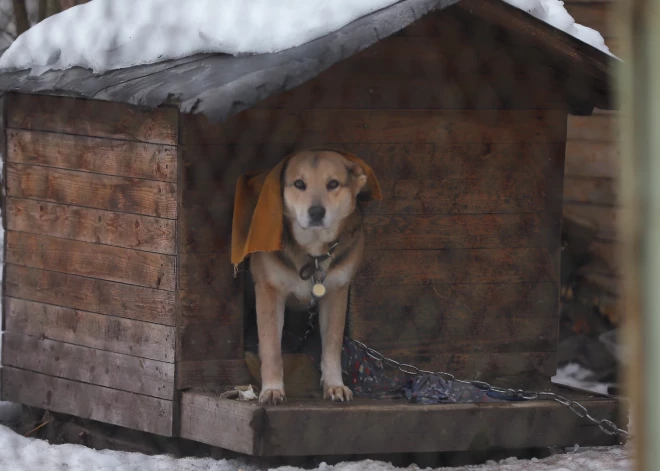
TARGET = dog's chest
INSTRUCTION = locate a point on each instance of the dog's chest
(335, 277)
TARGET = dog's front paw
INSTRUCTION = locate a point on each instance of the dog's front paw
(272, 396)
(337, 393)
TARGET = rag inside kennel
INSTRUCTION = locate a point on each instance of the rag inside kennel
(120, 300)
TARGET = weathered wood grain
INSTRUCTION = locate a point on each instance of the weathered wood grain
(89, 401)
(113, 334)
(201, 412)
(431, 267)
(92, 118)
(130, 195)
(92, 225)
(597, 127)
(591, 190)
(89, 294)
(425, 305)
(394, 426)
(206, 373)
(393, 126)
(88, 365)
(202, 304)
(462, 196)
(460, 232)
(592, 159)
(413, 337)
(205, 341)
(91, 154)
(96, 261)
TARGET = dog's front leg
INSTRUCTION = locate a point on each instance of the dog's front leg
(332, 318)
(270, 321)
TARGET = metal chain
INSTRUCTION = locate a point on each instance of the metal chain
(607, 426)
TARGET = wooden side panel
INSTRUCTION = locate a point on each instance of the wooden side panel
(89, 401)
(89, 154)
(210, 299)
(90, 283)
(92, 225)
(92, 118)
(89, 294)
(113, 334)
(92, 260)
(129, 195)
(387, 126)
(89, 365)
(433, 267)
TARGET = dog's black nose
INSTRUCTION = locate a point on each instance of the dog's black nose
(316, 214)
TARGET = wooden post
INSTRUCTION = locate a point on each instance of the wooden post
(639, 29)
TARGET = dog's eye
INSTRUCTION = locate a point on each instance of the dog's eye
(299, 184)
(332, 184)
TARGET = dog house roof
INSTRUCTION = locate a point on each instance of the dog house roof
(220, 85)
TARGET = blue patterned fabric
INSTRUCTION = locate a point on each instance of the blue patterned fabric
(367, 378)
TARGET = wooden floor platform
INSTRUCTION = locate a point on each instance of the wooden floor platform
(314, 427)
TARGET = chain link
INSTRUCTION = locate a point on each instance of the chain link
(607, 426)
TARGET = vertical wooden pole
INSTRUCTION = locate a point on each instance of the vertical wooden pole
(638, 23)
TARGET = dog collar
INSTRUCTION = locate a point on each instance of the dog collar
(313, 268)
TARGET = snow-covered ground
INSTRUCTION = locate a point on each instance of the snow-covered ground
(112, 34)
(18, 453)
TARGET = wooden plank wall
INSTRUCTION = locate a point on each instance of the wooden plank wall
(91, 260)
(210, 300)
(461, 271)
(592, 153)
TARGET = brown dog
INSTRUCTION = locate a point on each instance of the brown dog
(319, 192)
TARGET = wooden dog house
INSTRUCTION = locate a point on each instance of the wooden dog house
(120, 303)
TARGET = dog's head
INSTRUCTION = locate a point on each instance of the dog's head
(320, 188)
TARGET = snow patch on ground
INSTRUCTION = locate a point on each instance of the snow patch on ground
(19, 453)
(111, 34)
(577, 376)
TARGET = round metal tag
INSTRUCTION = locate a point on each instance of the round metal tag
(318, 290)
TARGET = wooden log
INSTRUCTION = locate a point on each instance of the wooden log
(395, 427)
(90, 154)
(460, 232)
(92, 260)
(113, 334)
(205, 373)
(462, 196)
(92, 118)
(89, 365)
(431, 267)
(591, 190)
(92, 225)
(88, 294)
(89, 401)
(129, 195)
(394, 126)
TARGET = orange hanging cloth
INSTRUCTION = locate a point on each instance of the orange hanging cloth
(258, 218)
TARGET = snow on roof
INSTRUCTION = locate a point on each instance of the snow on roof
(105, 35)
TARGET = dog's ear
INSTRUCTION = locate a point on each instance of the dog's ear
(359, 177)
